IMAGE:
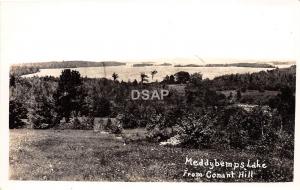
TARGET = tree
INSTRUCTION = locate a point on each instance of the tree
(16, 113)
(144, 78)
(154, 72)
(172, 79)
(102, 107)
(200, 95)
(238, 95)
(230, 96)
(169, 79)
(42, 115)
(134, 83)
(12, 81)
(115, 76)
(182, 77)
(69, 96)
(166, 79)
(196, 78)
(284, 102)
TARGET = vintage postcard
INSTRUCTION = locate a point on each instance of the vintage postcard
(149, 91)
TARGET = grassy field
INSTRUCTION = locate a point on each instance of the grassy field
(89, 156)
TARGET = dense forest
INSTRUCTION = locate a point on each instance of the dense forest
(29, 68)
(206, 114)
(22, 70)
(264, 80)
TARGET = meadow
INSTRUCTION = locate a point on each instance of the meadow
(84, 155)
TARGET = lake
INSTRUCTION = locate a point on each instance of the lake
(130, 73)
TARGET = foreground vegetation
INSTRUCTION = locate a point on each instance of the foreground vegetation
(89, 156)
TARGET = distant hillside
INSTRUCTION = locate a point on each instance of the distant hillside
(30, 68)
(284, 62)
(290, 70)
(165, 64)
(142, 64)
(189, 65)
(70, 64)
(273, 79)
(254, 65)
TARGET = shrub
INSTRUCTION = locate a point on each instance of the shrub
(284, 147)
(42, 114)
(16, 113)
(162, 126)
(182, 77)
(129, 121)
(80, 123)
(102, 107)
(196, 130)
(158, 128)
(114, 126)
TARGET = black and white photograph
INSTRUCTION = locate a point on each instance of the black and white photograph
(150, 91)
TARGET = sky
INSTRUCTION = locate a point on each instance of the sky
(131, 30)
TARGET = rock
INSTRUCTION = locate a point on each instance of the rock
(173, 141)
(107, 124)
(104, 132)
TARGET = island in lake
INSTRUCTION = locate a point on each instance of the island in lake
(253, 65)
(143, 64)
(165, 64)
(189, 65)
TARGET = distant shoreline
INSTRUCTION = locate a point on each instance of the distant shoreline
(70, 64)
(252, 65)
(31, 68)
(79, 64)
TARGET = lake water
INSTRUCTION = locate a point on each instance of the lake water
(130, 73)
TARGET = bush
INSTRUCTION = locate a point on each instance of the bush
(102, 107)
(17, 112)
(158, 128)
(80, 123)
(256, 129)
(182, 77)
(114, 125)
(129, 121)
(284, 147)
(42, 114)
(162, 126)
(196, 130)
